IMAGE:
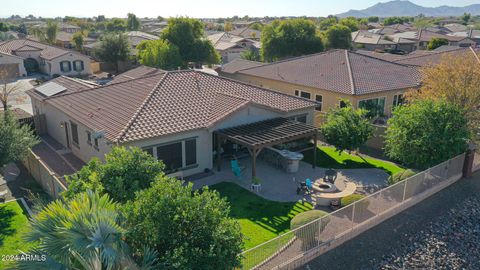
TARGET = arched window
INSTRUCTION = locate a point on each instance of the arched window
(78, 65)
(65, 66)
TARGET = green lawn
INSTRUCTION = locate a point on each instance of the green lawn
(13, 226)
(328, 157)
(260, 219)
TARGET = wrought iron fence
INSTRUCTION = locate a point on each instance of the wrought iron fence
(297, 247)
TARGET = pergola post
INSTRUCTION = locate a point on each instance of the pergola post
(219, 149)
(254, 162)
(314, 150)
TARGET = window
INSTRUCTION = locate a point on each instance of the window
(74, 129)
(302, 94)
(89, 137)
(190, 152)
(319, 99)
(374, 106)
(171, 155)
(96, 144)
(65, 66)
(398, 100)
(299, 118)
(78, 65)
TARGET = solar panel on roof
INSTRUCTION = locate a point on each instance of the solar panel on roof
(50, 89)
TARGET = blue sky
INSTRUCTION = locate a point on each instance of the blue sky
(196, 8)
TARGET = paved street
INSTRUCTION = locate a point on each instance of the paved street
(380, 242)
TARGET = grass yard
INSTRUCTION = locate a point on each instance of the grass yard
(13, 226)
(328, 157)
(260, 219)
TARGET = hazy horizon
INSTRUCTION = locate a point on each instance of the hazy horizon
(197, 8)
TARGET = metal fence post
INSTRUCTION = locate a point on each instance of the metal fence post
(405, 189)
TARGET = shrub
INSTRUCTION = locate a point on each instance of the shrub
(351, 199)
(310, 232)
(400, 176)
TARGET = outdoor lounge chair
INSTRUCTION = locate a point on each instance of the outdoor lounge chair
(236, 169)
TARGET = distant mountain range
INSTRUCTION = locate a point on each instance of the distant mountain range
(407, 8)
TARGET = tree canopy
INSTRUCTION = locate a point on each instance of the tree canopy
(124, 172)
(188, 35)
(116, 25)
(133, 23)
(189, 229)
(350, 22)
(338, 37)
(160, 54)
(436, 43)
(296, 37)
(346, 128)
(78, 39)
(15, 140)
(424, 133)
(457, 80)
(113, 48)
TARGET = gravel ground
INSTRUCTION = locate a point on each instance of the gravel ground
(450, 242)
(442, 232)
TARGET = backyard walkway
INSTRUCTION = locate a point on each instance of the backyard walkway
(400, 234)
(277, 185)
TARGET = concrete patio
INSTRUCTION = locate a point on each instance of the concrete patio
(278, 185)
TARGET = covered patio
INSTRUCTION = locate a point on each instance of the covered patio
(259, 135)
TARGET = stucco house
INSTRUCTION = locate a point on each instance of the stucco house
(171, 115)
(329, 77)
(372, 42)
(230, 46)
(43, 58)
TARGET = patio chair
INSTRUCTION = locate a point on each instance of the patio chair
(236, 168)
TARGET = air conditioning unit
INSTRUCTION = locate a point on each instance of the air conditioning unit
(98, 134)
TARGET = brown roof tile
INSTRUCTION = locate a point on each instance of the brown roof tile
(340, 71)
(167, 103)
(48, 52)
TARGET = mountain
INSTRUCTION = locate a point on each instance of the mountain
(407, 8)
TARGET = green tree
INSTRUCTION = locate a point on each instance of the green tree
(346, 128)
(373, 19)
(3, 27)
(338, 37)
(466, 17)
(113, 48)
(48, 34)
(78, 39)
(351, 23)
(393, 20)
(81, 233)
(256, 26)
(326, 23)
(160, 54)
(189, 229)
(116, 25)
(133, 23)
(436, 43)
(188, 35)
(227, 27)
(124, 172)
(250, 55)
(296, 37)
(424, 133)
(15, 140)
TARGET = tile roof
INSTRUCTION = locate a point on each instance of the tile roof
(167, 103)
(247, 33)
(365, 37)
(340, 71)
(238, 64)
(135, 73)
(48, 52)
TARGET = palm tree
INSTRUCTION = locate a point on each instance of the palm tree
(82, 233)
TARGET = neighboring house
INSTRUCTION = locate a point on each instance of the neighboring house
(334, 75)
(64, 39)
(12, 65)
(472, 34)
(456, 27)
(247, 33)
(419, 59)
(171, 115)
(154, 27)
(371, 42)
(43, 58)
(423, 37)
(134, 38)
(63, 27)
(231, 46)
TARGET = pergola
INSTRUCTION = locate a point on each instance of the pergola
(256, 136)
